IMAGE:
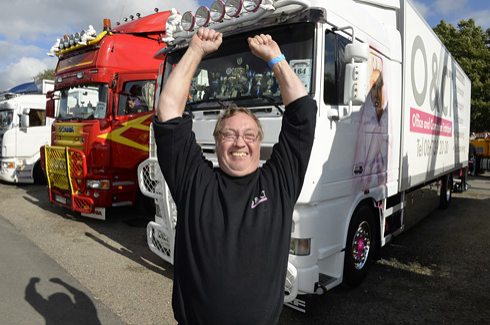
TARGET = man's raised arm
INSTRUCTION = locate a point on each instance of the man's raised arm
(264, 47)
(174, 94)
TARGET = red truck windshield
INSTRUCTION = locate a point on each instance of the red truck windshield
(88, 101)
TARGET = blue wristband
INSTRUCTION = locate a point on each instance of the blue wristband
(276, 60)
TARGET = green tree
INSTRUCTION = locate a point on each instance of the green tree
(469, 45)
(46, 74)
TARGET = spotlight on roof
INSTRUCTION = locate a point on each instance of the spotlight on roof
(217, 11)
(188, 21)
(202, 16)
(233, 7)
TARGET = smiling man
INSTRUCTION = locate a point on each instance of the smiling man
(234, 222)
(237, 135)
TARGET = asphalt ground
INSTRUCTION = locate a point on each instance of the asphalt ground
(36, 289)
(60, 268)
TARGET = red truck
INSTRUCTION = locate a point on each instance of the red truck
(103, 102)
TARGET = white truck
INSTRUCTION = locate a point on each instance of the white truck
(392, 126)
(24, 128)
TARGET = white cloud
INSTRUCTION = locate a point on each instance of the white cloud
(22, 71)
(446, 7)
(423, 9)
(480, 17)
(54, 17)
(29, 28)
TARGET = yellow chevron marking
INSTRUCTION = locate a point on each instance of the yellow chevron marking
(115, 135)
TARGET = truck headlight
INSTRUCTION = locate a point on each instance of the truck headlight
(300, 246)
(7, 165)
(98, 184)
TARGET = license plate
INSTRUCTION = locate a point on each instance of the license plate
(59, 198)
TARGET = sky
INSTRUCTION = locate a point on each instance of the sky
(28, 28)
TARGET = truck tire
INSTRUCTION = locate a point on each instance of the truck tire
(38, 174)
(446, 191)
(360, 246)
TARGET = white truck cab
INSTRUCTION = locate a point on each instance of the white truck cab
(24, 128)
(393, 119)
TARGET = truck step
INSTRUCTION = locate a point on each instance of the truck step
(324, 280)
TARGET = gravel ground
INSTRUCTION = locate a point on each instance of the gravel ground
(437, 272)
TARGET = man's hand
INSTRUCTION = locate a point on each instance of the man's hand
(206, 41)
(174, 94)
(264, 47)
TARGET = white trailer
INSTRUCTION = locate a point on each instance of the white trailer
(24, 128)
(392, 125)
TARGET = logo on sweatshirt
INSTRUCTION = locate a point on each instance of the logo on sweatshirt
(257, 200)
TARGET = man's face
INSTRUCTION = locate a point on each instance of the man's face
(131, 101)
(238, 157)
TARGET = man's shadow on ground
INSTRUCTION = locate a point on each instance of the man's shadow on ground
(59, 308)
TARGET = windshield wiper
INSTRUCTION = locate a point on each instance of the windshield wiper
(202, 105)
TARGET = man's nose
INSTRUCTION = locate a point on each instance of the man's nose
(239, 140)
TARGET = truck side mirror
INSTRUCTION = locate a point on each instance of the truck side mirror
(50, 108)
(24, 119)
(356, 79)
(355, 83)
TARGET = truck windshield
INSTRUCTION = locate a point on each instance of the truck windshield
(234, 74)
(6, 120)
(84, 102)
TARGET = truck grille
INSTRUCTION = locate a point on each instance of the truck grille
(56, 170)
(66, 169)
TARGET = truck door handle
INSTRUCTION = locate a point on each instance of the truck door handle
(358, 170)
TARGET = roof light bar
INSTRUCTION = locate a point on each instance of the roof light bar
(233, 7)
(251, 5)
(202, 16)
(188, 20)
(224, 15)
(217, 11)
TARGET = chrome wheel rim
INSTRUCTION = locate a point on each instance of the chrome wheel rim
(361, 245)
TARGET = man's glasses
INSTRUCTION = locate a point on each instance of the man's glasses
(233, 136)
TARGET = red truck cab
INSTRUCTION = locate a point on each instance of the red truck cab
(103, 103)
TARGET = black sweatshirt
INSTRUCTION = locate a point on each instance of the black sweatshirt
(233, 233)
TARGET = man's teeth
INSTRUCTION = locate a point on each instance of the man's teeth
(239, 154)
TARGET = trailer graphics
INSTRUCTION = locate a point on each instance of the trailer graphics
(106, 86)
(371, 154)
(392, 125)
